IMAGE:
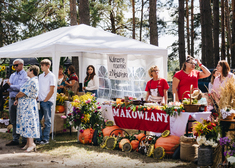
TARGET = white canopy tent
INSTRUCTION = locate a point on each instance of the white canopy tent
(91, 45)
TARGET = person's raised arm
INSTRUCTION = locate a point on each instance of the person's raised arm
(205, 72)
(175, 84)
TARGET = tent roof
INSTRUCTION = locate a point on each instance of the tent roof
(70, 41)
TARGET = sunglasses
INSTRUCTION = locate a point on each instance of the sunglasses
(16, 65)
(155, 71)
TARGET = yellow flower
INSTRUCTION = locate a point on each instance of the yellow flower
(3, 67)
(0, 68)
(13, 68)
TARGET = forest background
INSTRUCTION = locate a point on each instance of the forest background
(204, 29)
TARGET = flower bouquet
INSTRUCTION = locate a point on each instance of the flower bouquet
(85, 114)
(61, 98)
(207, 133)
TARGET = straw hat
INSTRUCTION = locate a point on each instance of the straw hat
(197, 94)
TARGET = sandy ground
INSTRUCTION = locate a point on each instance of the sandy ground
(80, 157)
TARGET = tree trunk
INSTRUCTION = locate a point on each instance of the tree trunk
(192, 29)
(133, 21)
(188, 34)
(216, 30)
(203, 33)
(153, 22)
(141, 18)
(73, 13)
(208, 28)
(222, 32)
(228, 26)
(84, 12)
(181, 33)
(112, 18)
(1, 26)
(233, 35)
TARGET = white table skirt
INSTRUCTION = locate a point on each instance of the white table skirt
(4, 121)
(177, 124)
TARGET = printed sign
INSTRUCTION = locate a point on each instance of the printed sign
(117, 67)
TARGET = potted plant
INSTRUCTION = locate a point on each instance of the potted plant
(207, 134)
(86, 114)
(60, 99)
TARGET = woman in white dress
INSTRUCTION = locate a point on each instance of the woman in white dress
(91, 82)
(214, 74)
(27, 123)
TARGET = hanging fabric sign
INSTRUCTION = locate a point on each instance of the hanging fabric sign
(117, 67)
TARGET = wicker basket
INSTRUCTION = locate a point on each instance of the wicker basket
(191, 107)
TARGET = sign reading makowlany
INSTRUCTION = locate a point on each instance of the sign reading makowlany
(150, 120)
(117, 67)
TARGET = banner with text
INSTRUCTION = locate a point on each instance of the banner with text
(151, 120)
(117, 67)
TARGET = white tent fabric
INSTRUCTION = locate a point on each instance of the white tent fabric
(81, 39)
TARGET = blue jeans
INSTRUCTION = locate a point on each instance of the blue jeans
(13, 116)
(93, 91)
(45, 110)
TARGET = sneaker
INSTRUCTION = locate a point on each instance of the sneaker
(12, 143)
(37, 142)
(43, 142)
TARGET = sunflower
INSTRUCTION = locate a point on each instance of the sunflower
(0, 68)
(13, 68)
(3, 67)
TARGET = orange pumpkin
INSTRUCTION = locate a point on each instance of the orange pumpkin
(139, 136)
(122, 142)
(86, 136)
(107, 130)
(59, 109)
(169, 143)
(134, 144)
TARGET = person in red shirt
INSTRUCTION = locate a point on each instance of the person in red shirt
(188, 76)
(157, 87)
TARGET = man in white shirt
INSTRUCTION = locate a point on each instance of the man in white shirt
(47, 84)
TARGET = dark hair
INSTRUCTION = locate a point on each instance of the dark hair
(93, 73)
(225, 67)
(189, 58)
(35, 69)
(212, 76)
(71, 69)
(61, 67)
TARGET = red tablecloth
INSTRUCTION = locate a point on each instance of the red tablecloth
(151, 120)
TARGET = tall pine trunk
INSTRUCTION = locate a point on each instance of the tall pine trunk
(216, 29)
(222, 32)
(1, 26)
(203, 33)
(187, 27)
(153, 22)
(141, 18)
(73, 13)
(84, 12)
(228, 27)
(233, 35)
(112, 18)
(192, 29)
(181, 33)
(208, 28)
(133, 16)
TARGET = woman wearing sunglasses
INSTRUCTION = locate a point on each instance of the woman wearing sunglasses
(157, 87)
(188, 76)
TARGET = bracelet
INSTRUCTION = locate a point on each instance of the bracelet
(200, 65)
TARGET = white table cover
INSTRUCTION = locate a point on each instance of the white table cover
(177, 123)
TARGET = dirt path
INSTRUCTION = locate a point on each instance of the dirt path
(80, 157)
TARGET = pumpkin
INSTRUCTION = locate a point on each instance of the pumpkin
(122, 142)
(108, 129)
(59, 109)
(134, 144)
(86, 136)
(139, 136)
(169, 143)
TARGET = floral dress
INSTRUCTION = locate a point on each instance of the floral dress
(27, 123)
